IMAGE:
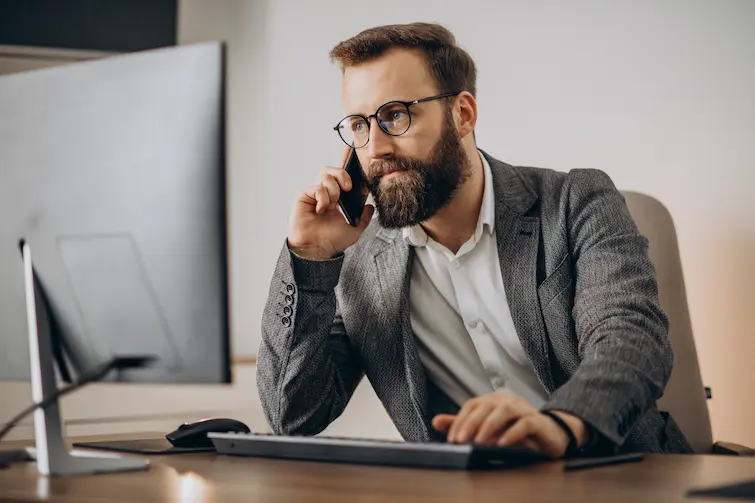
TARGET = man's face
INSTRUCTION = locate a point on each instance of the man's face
(414, 175)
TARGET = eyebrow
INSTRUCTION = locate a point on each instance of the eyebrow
(384, 103)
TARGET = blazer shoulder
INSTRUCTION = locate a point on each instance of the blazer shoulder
(559, 187)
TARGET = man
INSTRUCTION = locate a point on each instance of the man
(486, 303)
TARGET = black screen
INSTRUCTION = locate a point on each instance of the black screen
(101, 25)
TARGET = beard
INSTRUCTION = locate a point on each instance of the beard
(425, 187)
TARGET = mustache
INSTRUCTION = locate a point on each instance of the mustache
(384, 167)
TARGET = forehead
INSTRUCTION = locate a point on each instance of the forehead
(399, 74)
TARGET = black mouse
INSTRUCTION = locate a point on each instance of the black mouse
(195, 434)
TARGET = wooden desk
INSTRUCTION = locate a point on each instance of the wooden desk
(204, 478)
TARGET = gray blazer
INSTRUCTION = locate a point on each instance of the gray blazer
(581, 290)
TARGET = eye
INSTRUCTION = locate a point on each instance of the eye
(394, 116)
(397, 115)
(356, 125)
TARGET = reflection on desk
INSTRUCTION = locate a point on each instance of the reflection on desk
(206, 478)
(193, 488)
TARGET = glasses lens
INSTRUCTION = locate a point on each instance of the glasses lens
(393, 118)
(354, 130)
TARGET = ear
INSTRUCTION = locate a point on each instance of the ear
(466, 113)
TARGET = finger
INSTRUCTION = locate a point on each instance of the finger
(468, 427)
(466, 409)
(309, 195)
(323, 199)
(341, 176)
(367, 213)
(539, 435)
(531, 444)
(497, 421)
(520, 430)
(442, 422)
(334, 191)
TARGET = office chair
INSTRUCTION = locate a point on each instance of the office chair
(685, 395)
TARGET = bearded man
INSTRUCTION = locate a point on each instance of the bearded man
(486, 303)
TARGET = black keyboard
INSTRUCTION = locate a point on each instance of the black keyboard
(370, 451)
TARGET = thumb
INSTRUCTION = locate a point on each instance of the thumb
(367, 213)
(442, 422)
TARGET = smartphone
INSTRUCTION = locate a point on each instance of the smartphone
(352, 203)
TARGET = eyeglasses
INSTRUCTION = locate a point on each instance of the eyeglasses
(393, 118)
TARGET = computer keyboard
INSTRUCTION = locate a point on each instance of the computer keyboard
(370, 451)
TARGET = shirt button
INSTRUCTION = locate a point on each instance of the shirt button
(456, 264)
(498, 382)
(472, 324)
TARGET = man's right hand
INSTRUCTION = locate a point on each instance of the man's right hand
(317, 230)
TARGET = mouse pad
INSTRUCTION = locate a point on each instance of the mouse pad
(742, 490)
(147, 446)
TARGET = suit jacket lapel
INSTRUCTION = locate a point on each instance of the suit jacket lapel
(392, 263)
(518, 237)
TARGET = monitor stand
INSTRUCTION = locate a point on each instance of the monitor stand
(51, 452)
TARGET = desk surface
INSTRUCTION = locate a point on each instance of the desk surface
(205, 478)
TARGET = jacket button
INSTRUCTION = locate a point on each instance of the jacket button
(287, 310)
(289, 300)
(286, 321)
(290, 288)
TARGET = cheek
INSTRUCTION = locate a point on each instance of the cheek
(364, 161)
(416, 146)
(421, 142)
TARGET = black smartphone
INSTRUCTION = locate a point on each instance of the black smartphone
(351, 203)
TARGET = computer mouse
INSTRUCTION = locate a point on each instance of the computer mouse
(195, 434)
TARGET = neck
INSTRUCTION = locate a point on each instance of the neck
(456, 222)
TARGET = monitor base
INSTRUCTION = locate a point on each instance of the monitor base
(51, 453)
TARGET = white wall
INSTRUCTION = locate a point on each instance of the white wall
(657, 94)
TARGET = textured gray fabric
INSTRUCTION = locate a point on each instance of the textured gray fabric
(581, 290)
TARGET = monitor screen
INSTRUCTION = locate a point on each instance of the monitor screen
(113, 172)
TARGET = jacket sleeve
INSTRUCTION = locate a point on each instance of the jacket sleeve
(622, 332)
(306, 367)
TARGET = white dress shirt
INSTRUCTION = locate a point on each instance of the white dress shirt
(460, 315)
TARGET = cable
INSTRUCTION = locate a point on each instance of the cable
(96, 375)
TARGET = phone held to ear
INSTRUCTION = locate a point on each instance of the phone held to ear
(351, 203)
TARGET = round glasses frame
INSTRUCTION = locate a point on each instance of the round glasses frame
(368, 119)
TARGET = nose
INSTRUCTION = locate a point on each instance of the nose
(380, 145)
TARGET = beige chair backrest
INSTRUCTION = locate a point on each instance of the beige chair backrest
(684, 397)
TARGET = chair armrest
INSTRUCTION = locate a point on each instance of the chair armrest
(732, 449)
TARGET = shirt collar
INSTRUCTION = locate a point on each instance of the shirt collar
(416, 236)
(487, 212)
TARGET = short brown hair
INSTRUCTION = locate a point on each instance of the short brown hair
(451, 66)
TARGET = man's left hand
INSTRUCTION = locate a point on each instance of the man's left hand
(509, 420)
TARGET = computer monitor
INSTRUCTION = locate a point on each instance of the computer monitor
(112, 173)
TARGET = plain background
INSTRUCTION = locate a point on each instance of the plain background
(658, 94)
